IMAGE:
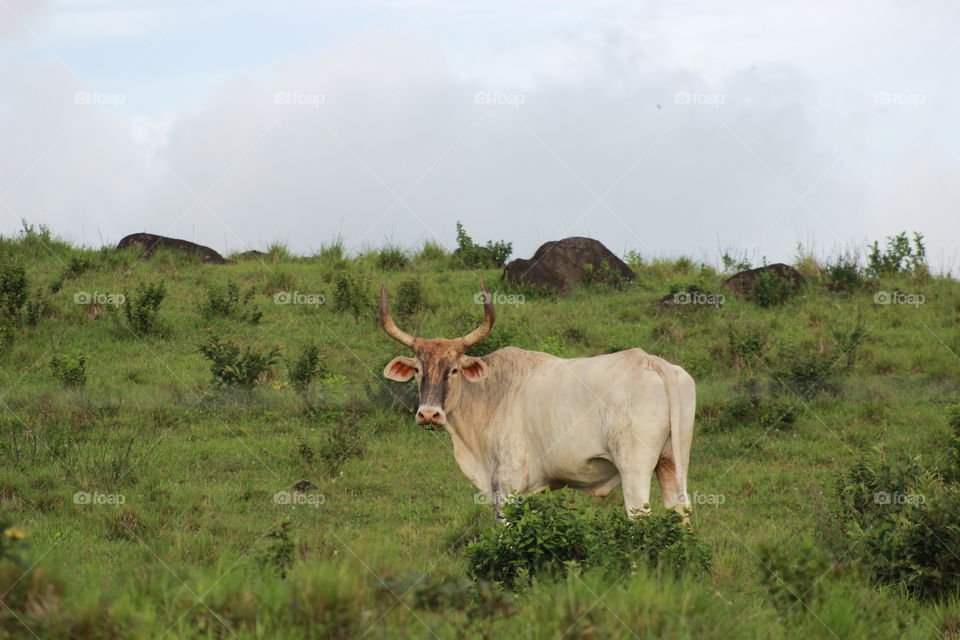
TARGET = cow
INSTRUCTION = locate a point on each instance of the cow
(524, 421)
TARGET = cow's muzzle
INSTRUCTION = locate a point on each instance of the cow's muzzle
(431, 416)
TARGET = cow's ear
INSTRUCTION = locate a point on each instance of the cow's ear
(473, 369)
(400, 369)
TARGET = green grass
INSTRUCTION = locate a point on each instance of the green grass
(189, 554)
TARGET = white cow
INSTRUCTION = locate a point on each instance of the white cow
(524, 420)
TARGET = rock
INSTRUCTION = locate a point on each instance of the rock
(252, 254)
(558, 264)
(741, 284)
(148, 243)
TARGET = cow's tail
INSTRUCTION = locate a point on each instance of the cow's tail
(669, 376)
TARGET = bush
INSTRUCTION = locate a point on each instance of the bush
(899, 256)
(899, 522)
(341, 440)
(70, 370)
(233, 365)
(431, 251)
(410, 299)
(953, 464)
(545, 537)
(142, 309)
(603, 275)
(392, 259)
(807, 374)
(493, 255)
(350, 295)
(844, 275)
(794, 578)
(13, 289)
(747, 344)
(36, 306)
(227, 302)
(306, 368)
(749, 411)
(848, 341)
(770, 290)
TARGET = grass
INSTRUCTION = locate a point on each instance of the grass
(181, 533)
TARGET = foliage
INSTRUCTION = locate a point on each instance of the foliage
(900, 256)
(492, 255)
(734, 264)
(278, 556)
(603, 275)
(227, 302)
(747, 411)
(806, 373)
(392, 259)
(545, 537)
(340, 440)
(747, 343)
(900, 523)
(409, 299)
(233, 365)
(71, 370)
(793, 574)
(844, 274)
(431, 251)
(770, 289)
(141, 310)
(13, 289)
(306, 368)
(350, 295)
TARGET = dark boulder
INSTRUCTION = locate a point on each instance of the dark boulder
(741, 284)
(147, 243)
(558, 264)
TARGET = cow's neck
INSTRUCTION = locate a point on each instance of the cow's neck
(476, 423)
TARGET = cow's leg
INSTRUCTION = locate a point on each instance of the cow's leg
(667, 475)
(505, 480)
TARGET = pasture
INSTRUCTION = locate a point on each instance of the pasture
(146, 494)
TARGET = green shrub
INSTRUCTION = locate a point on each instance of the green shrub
(350, 295)
(806, 374)
(844, 275)
(340, 441)
(431, 251)
(306, 368)
(392, 259)
(37, 305)
(410, 300)
(899, 256)
(493, 255)
(747, 344)
(793, 574)
(848, 341)
(227, 302)
(544, 537)
(770, 289)
(603, 276)
(749, 411)
(233, 365)
(71, 370)
(953, 463)
(141, 310)
(13, 289)
(278, 554)
(734, 264)
(898, 521)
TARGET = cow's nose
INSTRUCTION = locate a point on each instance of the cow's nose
(427, 415)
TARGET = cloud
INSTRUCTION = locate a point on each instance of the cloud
(392, 138)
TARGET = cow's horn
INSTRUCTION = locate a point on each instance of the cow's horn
(387, 321)
(489, 317)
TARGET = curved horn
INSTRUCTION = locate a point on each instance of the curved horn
(387, 321)
(489, 317)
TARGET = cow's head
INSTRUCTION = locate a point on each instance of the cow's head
(439, 365)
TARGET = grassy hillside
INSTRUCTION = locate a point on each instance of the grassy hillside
(176, 531)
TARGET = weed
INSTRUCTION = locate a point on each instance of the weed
(141, 310)
(233, 365)
(71, 370)
(493, 255)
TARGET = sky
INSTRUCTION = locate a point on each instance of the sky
(667, 128)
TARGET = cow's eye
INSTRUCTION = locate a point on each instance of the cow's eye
(454, 372)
